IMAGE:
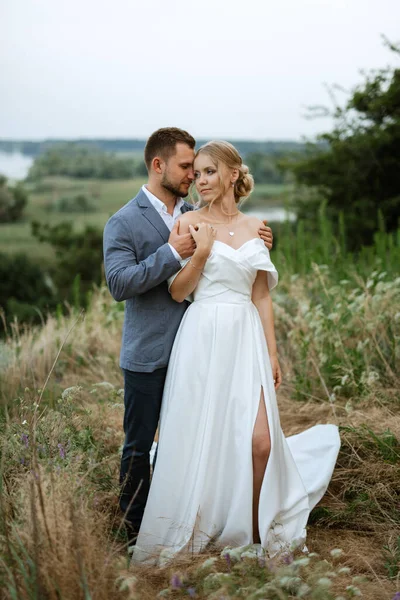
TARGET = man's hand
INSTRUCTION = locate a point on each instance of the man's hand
(184, 244)
(265, 234)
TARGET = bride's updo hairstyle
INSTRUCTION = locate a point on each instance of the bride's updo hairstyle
(224, 152)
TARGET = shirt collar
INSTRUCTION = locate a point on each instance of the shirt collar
(158, 204)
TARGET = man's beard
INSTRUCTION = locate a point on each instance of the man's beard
(171, 187)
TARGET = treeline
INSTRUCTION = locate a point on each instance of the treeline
(356, 173)
(82, 162)
(136, 146)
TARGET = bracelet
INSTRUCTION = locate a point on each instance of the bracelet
(197, 268)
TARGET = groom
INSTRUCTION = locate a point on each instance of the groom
(142, 249)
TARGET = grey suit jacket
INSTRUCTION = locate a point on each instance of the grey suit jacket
(138, 262)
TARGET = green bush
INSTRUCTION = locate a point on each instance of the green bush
(79, 256)
(26, 290)
(73, 204)
(355, 168)
(12, 201)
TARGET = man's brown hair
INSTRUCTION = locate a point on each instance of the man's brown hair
(163, 143)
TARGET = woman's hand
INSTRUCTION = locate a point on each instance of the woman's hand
(204, 236)
(276, 371)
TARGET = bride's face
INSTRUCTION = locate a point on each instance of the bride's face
(211, 181)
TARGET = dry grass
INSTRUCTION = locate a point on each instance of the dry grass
(59, 533)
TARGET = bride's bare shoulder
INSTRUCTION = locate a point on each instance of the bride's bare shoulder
(190, 217)
(252, 224)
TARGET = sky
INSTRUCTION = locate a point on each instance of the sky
(229, 69)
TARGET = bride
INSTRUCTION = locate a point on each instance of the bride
(225, 474)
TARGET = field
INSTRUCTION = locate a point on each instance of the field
(106, 196)
(338, 331)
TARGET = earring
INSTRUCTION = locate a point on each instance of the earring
(233, 184)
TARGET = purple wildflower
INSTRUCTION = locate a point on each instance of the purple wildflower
(22, 461)
(176, 582)
(262, 561)
(271, 566)
(25, 440)
(61, 450)
(396, 596)
(227, 557)
(192, 592)
(288, 558)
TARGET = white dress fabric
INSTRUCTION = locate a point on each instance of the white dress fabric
(202, 485)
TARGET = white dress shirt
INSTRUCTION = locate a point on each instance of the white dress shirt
(168, 219)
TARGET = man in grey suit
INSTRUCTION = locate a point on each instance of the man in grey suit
(142, 249)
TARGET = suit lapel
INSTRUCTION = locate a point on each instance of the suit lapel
(186, 207)
(150, 213)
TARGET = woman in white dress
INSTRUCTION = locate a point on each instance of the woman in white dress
(225, 473)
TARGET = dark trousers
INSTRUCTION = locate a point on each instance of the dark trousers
(142, 397)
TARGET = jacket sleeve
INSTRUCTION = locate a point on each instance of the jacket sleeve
(125, 275)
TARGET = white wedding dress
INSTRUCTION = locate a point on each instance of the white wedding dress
(202, 485)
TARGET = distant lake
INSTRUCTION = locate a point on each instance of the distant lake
(14, 165)
(272, 214)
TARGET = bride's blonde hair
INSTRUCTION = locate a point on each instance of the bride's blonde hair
(224, 152)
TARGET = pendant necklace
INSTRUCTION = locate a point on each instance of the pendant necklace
(231, 233)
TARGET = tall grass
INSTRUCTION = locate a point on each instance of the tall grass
(61, 432)
(298, 249)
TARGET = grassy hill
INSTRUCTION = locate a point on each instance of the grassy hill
(61, 433)
(106, 197)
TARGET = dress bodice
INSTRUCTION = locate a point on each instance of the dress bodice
(229, 274)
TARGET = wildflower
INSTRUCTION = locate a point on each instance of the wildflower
(348, 406)
(336, 552)
(70, 392)
(176, 582)
(208, 563)
(396, 596)
(302, 562)
(359, 579)
(303, 590)
(61, 450)
(192, 592)
(290, 583)
(369, 378)
(234, 553)
(24, 422)
(288, 558)
(127, 584)
(344, 570)
(25, 440)
(228, 560)
(104, 384)
(353, 590)
(344, 379)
